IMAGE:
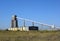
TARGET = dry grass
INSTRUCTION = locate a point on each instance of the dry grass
(30, 36)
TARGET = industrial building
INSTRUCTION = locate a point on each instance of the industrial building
(15, 27)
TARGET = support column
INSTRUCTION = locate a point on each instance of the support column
(32, 23)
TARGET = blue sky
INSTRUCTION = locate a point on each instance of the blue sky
(44, 11)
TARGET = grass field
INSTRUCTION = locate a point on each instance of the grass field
(30, 36)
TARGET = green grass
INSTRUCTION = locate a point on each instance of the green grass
(30, 36)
